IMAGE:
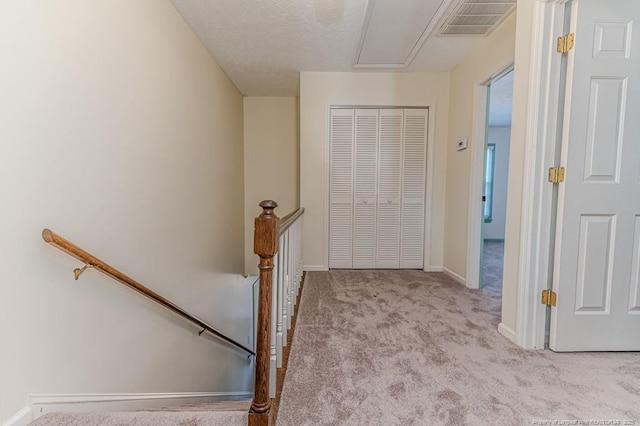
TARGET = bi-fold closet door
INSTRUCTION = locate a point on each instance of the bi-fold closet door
(377, 188)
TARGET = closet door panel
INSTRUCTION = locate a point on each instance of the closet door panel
(364, 238)
(341, 177)
(365, 187)
(377, 188)
(387, 254)
(412, 248)
(413, 188)
(389, 188)
(390, 161)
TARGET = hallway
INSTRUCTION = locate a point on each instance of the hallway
(408, 347)
(492, 265)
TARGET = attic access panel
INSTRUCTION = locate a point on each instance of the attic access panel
(393, 31)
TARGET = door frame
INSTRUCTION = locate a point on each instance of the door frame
(476, 177)
(543, 123)
(430, 106)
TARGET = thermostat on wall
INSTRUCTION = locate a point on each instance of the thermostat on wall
(462, 144)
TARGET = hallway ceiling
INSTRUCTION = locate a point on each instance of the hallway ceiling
(263, 45)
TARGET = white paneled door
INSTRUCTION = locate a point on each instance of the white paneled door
(377, 188)
(597, 264)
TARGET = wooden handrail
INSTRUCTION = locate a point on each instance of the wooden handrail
(91, 261)
(288, 220)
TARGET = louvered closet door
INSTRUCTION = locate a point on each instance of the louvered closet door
(365, 187)
(341, 188)
(413, 188)
(389, 180)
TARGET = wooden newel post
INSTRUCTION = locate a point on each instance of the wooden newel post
(265, 245)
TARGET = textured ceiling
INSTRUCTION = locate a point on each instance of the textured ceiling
(263, 45)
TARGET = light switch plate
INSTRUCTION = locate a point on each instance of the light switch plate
(462, 144)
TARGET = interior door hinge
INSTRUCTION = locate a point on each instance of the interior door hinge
(556, 174)
(566, 43)
(549, 297)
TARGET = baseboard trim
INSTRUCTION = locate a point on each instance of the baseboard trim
(21, 418)
(507, 332)
(315, 268)
(455, 276)
(433, 269)
(43, 404)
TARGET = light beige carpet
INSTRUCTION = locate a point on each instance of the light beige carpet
(414, 348)
(223, 413)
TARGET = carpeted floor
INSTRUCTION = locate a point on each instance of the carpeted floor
(492, 264)
(415, 348)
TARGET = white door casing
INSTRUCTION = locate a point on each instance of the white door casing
(597, 263)
(540, 139)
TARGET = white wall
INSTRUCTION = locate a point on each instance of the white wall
(120, 132)
(500, 136)
(493, 54)
(319, 90)
(271, 161)
(521, 79)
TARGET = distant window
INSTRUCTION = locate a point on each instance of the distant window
(488, 181)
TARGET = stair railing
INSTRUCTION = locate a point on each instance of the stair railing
(93, 262)
(278, 243)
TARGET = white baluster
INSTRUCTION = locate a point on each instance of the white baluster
(280, 300)
(289, 279)
(285, 275)
(301, 252)
(273, 355)
(300, 271)
(294, 264)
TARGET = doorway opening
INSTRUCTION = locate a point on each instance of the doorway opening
(496, 169)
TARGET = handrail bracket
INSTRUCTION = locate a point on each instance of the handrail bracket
(78, 271)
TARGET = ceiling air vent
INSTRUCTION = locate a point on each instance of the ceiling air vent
(475, 17)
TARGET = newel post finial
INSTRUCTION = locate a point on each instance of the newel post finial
(265, 242)
(267, 207)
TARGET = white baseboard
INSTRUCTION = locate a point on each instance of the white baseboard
(433, 269)
(507, 332)
(39, 405)
(315, 268)
(455, 276)
(21, 418)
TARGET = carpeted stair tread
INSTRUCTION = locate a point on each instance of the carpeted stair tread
(222, 413)
(231, 405)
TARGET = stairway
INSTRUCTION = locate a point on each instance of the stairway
(279, 246)
(222, 413)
